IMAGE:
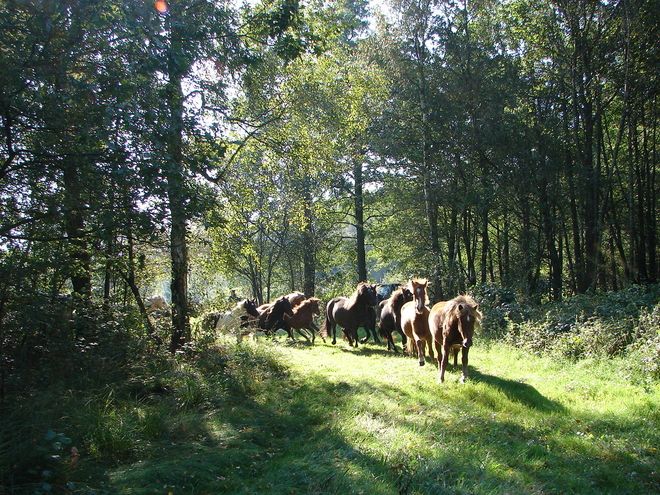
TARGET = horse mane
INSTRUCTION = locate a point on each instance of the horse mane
(307, 302)
(354, 297)
(461, 305)
(396, 296)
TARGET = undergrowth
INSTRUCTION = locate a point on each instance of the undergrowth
(560, 399)
(604, 325)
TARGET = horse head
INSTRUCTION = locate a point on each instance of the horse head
(250, 306)
(367, 294)
(417, 287)
(284, 305)
(401, 296)
(468, 315)
(314, 305)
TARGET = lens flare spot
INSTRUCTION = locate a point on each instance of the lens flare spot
(161, 6)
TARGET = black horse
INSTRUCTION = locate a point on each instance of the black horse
(390, 316)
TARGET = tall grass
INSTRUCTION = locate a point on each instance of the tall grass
(282, 418)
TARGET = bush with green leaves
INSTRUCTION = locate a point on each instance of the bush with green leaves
(591, 326)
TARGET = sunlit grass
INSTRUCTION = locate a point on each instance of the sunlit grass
(293, 418)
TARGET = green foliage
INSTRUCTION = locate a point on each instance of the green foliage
(593, 326)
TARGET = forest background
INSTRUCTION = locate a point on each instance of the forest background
(506, 146)
(188, 147)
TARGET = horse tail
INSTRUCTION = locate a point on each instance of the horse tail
(324, 329)
(411, 346)
(382, 331)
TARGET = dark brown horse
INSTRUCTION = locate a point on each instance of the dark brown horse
(390, 316)
(415, 320)
(369, 325)
(303, 318)
(272, 318)
(350, 313)
(452, 326)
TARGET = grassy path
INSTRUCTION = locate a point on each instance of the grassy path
(337, 420)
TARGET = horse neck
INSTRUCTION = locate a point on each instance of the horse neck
(353, 300)
(302, 308)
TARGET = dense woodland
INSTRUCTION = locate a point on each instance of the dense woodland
(309, 145)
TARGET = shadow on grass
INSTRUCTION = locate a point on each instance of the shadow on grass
(517, 391)
(311, 434)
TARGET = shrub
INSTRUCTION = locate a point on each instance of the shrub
(587, 326)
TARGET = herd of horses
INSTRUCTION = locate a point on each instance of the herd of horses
(447, 327)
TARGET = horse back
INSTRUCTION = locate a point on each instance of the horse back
(436, 320)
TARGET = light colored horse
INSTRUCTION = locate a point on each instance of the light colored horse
(230, 323)
(415, 320)
(156, 303)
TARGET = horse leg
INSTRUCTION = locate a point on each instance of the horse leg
(464, 359)
(287, 328)
(351, 336)
(429, 342)
(313, 328)
(443, 365)
(303, 334)
(420, 351)
(404, 340)
(331, 329)
(454, 351)
(390, 342)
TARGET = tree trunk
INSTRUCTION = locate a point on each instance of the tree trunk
(309, 248)
(80, 274)
(358, 199)
(175, 173)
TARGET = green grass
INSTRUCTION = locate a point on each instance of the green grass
(323, 419)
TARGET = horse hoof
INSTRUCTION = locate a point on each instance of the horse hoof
(421, 363)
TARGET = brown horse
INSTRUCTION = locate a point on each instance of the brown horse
(452, 326)
(350, 313)
(294, 298)
(303, 318)
(390, 316)
(272, 318)
(415, 320)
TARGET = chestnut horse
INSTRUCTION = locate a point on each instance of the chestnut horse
(452, 326)
(303, 318)
(415, 320)
(390, 316)
(350, 313)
